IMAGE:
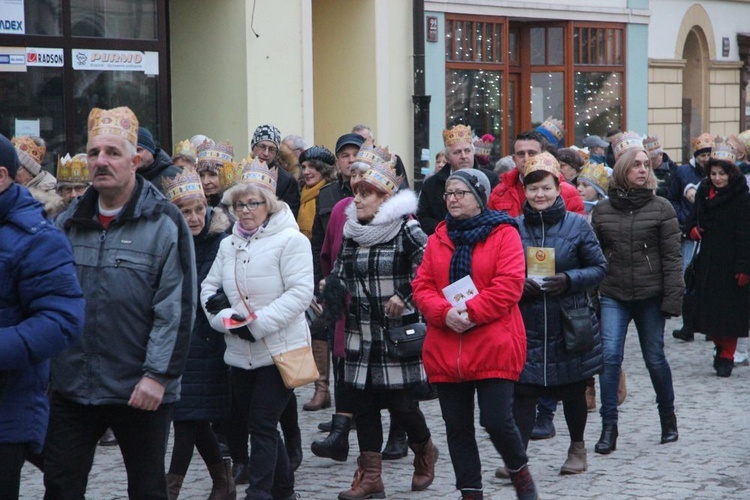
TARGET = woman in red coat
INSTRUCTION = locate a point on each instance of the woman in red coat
(479, 346)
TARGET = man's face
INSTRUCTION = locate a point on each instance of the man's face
(460, 156)
(70, 191)
(344, 159)
(146, 157)
(702, 160)
(523, 150)
(266, 151)
(656, 160)
(23, 176)
(111, 165)
(296, 151)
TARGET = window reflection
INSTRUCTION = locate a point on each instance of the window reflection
(547, 97)
(128, 19)
(43, 17)
(474, 98)
(598, 103)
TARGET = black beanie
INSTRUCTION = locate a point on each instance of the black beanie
(8, 156)
(146, 140)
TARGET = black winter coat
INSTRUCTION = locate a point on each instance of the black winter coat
(579, 256)
(205, 382)
(721, 307)
(162, 168)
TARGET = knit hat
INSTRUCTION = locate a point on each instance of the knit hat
(320, 153)
(476, 181)
(8, 156)
(30, 154)
(349, 140)
(146, 140)
(571, 157)
(266, 133)
(596, 176)
(552, 129)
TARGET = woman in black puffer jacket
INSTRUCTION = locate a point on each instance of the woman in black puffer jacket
(550, 370)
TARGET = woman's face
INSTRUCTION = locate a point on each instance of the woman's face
(568, 172)
(356, 175)
(638, 173)
(194, 212)
(542, 195)
(459, 200)
(210, 182)
(310, 174)
(440, 162)
(587, 192)
(368, 203)
(719, 178)
(251, 211)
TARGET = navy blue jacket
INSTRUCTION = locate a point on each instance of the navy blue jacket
(684, 175)
(41, 312)
(579, 256)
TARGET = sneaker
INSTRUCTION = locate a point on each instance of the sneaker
(741, 358)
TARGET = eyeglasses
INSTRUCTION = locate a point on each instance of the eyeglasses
(250, 206)
(459, 194)
(268, 149)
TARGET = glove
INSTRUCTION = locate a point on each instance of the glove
(217, 302)
(696, 234)
(742, 279)
(556, 285)
(242, 332)
(531, 289)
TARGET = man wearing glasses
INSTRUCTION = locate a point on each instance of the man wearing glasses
(265, 145)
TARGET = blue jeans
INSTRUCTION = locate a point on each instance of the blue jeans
(649, 322)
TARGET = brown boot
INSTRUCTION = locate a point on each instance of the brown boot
(223, 487)
(425, 456)
(174, 485)
(622, 389)
(576, 462)
(368, 482)
(523, 483)
(591, 397)
(322, 397)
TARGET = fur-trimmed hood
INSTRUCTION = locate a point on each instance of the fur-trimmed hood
(396, 207)
(219, 222)
(53, 202)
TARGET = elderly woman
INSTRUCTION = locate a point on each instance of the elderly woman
(256, 294)
(317, 168)
(205, 383)
(382, 247)
(571, 164)
(477, 346)
(640, 237)
(552, 369)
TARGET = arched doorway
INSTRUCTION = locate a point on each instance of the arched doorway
(695, 89)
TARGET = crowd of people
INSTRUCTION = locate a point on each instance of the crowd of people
(141, 292)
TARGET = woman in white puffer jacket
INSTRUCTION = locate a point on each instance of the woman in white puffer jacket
(263, 270)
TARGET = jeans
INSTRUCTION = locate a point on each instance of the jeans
(495, 397)
(688, 246)
(649, 322)
(72, 437)
(12, 456)
(526, 398)
(259, 397)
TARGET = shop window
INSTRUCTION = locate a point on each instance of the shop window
(43, 17)
(127, 19)
(473, 41)
(547, 97)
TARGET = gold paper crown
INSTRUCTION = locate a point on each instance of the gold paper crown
(626, 141)
(543, 161)
(29, 151)
(185, 148)
(121, 122)
(703, 141)
(584, 152)
(230, 173)
(723, 151)
(595, 173)
(459, 133)
(183, 186)
(256, 173)
(370, 154)
(652, 144)
(212, 156)
(73, 170)
(738, 144)
(383, 176)
(480, 147)
(554, 127)
(744, 137)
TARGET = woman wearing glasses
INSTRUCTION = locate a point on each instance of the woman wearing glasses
(477, 345)
(256, 294)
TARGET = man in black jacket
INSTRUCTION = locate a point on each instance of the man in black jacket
(265, 145)
(156, 165)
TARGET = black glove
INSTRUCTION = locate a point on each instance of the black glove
(242, 332)
(531, 289)
(556, 285)
(217, 302)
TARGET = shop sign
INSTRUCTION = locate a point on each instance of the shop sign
(12, 59)
(36, 56)
(12, 20)
(116, 60)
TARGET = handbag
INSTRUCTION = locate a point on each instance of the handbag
(689, 302)
(296, 367)
(577, 328)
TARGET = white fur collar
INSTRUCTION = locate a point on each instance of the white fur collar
(397, 206)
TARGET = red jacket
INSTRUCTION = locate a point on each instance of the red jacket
(496, 347)
(509, 195)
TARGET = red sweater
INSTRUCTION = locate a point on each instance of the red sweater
(509, 195)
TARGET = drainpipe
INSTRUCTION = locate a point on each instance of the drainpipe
(419, 99)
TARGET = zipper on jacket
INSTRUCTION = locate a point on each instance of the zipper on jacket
(544, 297)
(645, 252)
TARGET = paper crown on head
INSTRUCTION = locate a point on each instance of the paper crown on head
(370, 154)
(652, 145)
(121, 122)
(73, 170)
(626, 141)
(185, 148)
(584, 152)
(744, 137)
(483, 145)
(703, 141)
(552, 129)
(543, 161)
(459, 133)
(722, 150)
(30, 154)
(230, 172)
(256, 173)
(212, 156)
(383, 176)
(183, 186)
(738, 145)
(596, 176)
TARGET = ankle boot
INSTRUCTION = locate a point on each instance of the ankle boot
(622, 389)
(223, 483)
(368, 482)
(336, 445)
(523, 483)
(174, 485)
(240, 473)
(502, 472)
(396, 447)
(668, 427)
(608, 440)
(471, 494)
(322, 396)
(327, 426)
(425, 457)
(576, 461)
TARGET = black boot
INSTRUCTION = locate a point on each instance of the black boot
(396, 447)
(608, 441)
(293, 443)
(336, 445)
(241, 473)
(683, 334)
(327, 426)
(723, 366)
(668, 427)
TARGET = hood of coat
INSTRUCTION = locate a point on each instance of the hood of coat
(629, 199)
(43, 182)
(278, 222)
(396, 207)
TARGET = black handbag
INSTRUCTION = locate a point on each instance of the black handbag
(689, 302)
(578, 329)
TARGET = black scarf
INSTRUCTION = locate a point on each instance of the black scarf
(466, 233)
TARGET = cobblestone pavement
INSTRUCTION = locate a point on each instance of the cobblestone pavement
(711, 460)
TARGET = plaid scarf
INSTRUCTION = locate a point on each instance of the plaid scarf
(466, 233)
